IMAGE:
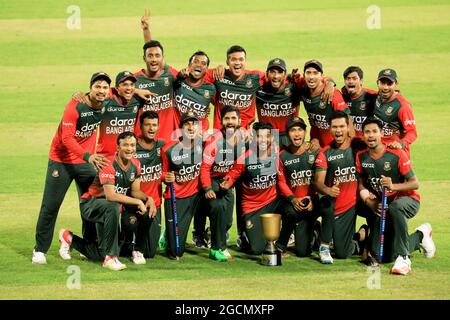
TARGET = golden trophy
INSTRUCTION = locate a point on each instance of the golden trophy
(271, 223)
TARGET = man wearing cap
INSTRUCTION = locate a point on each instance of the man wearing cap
(360, 100)
(181, 161)
(120, 114)
(296, 166)
(277, 100)
(71, 158)
(399, 126)
(319, 112)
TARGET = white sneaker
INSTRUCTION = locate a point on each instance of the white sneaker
(401, 266)
(65, 240)
(38, 258)
(291, 242)
(112, 263)
(227, 254)
(324, 254)
(137, 257)
(427, 244)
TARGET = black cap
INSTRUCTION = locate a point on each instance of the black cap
(313, 63)
(388, 74)
(100, 75)
(188, 116)
(124, 75)
(295, 121)
(277, 63)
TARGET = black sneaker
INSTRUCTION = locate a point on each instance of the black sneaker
(199, 242)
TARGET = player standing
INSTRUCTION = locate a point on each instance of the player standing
(71, 158)
(379, 167)
(399, 126)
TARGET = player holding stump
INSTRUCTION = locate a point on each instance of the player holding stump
(181, 162)
(219, 155)
(118, 184)
(140, 233)
(71, 158)
(296, 166)
(380, 166)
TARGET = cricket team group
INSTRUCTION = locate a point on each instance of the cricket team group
(123, 142)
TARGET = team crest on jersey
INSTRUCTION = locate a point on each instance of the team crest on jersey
(135, 109)
(166, 82)
(206, 94)
(322, 105)
(103, 110)
(55, 174)
(287, 92)
(389, 111)
(249, 84)
(311, 159)
(248, 225)
(132, 176)
(362, 106)
(158, 152)
(387, 166)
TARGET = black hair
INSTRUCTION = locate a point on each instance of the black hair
(148, 115)
(234, 49)
(199, 53)
(356, 69)
(151, 44)
(338, 115)
(262, 125)
(124, 135)
(370, 120)
(227, 109)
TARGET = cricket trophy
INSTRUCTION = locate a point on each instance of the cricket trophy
(271, 223)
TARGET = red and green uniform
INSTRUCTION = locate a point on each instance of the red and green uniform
(297, 171)
(339, 214)
(319, 114)
(162, 103)
(145, 231)
(398, 120)
(116, 119)
(218, 158)
(278, 107)
(259, 176)
(185, 162)
(73, 143)
(95, 208)
(402, 205)
(196, 99)
(360, 107)
(240, 94)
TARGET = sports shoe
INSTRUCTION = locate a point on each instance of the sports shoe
(207, 237)
(227, 254)
(112, 263)
(137, 257)
(38, 258)
(427, 244)
(402, 265)
(291, 242)
(324, 254)
(217, 255)
(242, 242)
(199, 242)
(65, 240)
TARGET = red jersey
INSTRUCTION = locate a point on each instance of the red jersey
(75, 137)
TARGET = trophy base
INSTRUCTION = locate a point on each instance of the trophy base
(271, 259)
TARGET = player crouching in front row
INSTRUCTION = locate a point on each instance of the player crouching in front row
(101, 205)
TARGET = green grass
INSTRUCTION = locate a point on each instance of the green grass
(43, 64)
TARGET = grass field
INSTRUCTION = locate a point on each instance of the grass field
(43, 63)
